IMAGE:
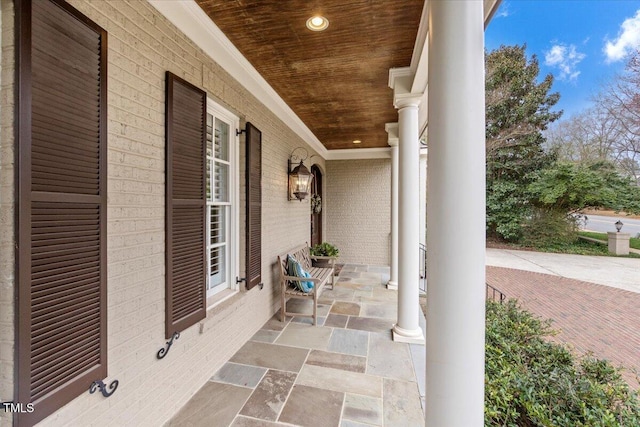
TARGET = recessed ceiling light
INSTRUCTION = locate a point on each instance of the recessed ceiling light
(317, 23)
(357, 141)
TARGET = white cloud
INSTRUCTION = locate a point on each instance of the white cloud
(504, 10)
(566, 59)
(628, 39)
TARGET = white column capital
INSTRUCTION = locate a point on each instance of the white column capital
(401, 81)
(405, 100)
(392, 134)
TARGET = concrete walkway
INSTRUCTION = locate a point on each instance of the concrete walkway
(593, 301)
(621, 273)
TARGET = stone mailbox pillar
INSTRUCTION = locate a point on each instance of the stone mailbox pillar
(618, 243)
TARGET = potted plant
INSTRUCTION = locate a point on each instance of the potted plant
(324, 253)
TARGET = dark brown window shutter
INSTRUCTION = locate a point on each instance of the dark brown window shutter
(254, 206)
(186, 263)
(61, 193)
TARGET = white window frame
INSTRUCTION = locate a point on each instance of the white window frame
(222, 292)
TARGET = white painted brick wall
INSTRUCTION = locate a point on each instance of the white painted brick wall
(359, 210)
(142, 46)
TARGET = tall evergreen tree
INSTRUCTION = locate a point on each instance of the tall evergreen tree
(518, 110)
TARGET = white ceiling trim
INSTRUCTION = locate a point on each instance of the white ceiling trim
(360, 153)
(365, 153)
(195, 24)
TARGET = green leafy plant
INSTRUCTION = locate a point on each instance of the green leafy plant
(518, 110)
(324, 249)
(530, 381)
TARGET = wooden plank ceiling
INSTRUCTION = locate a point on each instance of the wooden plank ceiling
(336, 80)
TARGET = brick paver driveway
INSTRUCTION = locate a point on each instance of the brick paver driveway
(590, 317)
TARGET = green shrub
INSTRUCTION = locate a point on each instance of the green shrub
(530, 381)
(324, 249)
(548, 228)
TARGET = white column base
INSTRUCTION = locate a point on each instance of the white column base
(415, 336)
(392, 285)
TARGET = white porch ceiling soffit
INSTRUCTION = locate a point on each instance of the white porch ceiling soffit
(189, 18)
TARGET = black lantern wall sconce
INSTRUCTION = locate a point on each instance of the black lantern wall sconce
(299, 177)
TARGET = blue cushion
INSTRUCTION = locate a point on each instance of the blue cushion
(295, 269)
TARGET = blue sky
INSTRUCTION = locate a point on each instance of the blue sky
(581, 42)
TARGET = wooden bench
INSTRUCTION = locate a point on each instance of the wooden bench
(319, 276)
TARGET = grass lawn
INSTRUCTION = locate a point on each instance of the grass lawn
(634, 242)
(579, 247)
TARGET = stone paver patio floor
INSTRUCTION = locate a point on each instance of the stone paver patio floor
(345, 372)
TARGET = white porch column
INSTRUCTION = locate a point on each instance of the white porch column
(407, 329)
(392, 130)
(455, 216)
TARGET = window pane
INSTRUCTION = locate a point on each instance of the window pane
(222, 140)
(218, 224)
(218, 266)
(221, 179)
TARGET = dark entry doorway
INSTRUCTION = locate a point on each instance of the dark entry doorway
(316, 206)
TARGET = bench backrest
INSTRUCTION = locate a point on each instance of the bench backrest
(301, 254)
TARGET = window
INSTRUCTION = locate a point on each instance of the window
(222, 199)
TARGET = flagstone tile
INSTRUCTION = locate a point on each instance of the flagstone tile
(363, 409)
(307, 336)
(241, 375)
(357, 285)
(348, 308)
(379, 269)
(305, 306)
(312, 407)
(336, 320)
(325, 301)
(338, 293)
(215, 404)
(270, 395)
(265, 335)
(271, 356)
(349, 267)
(242, 421)
(349, 275)
(418, 356)
(385, 311)
(339, 380)
(349, 423)
(346, 362)
(401, 404)
(309, 320)
(370, 324)
(349, 341)
(275, 324)
(389, 359)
